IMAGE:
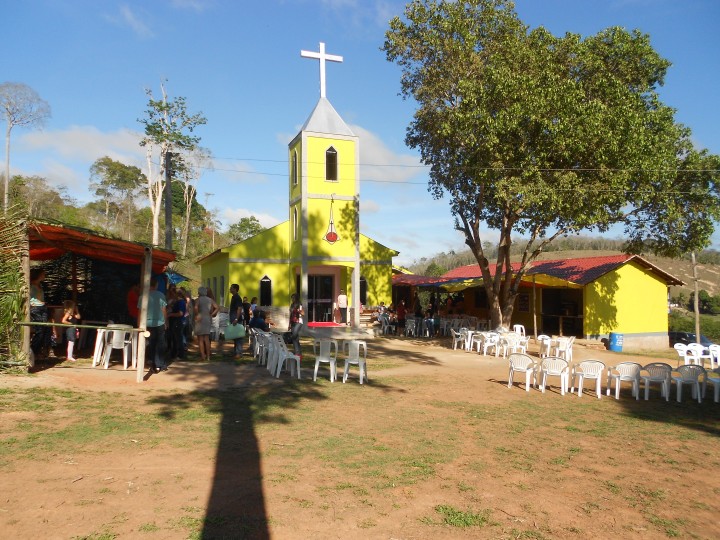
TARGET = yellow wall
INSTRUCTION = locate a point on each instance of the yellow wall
(316, 148)
(628, 300)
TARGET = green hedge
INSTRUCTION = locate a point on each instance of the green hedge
(709, 324)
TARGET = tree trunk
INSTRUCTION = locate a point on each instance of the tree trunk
(7, 166)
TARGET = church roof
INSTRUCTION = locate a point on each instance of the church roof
(325, 119)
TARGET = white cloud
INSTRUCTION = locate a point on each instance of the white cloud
(369, 207)
(233, 215)
(380, 163)
(195, 5)
(129, 18)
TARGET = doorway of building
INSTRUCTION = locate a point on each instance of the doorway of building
(320, 298)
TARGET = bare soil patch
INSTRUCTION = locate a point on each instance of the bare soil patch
(435, 445)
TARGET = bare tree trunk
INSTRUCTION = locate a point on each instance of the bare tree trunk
(7, 166)
(696, 303)
(155, 191)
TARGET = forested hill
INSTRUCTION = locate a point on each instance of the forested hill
(708, 267)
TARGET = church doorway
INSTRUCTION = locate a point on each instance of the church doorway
(320, 298)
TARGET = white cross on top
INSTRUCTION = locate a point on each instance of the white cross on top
(322, 57)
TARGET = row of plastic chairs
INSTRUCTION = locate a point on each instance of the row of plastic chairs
(696, 353)
(115, 337)
(656, 372)
(326, 351)
(270, 350)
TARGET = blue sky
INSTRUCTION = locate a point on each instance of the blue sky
(238, 62)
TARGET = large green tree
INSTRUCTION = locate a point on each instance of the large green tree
(245, 228)
(116, 185)
(545, 136)
(169, 128)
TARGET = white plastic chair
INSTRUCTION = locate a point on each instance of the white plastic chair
(553, 366)
(458, 337)
(563, 347)
(283, 357)
(696, 354)
(522, 363)
(353, 355)
(326, 352)
(681, 349)
(588, 369)
(385, 326)
(714, 356)
(624, 371)
(714, 379)
(658, 372)
(690, 375)
(410, 327)
(544, 342)
(491, 340)
(519, 329)
(100, 344)
(118, 337)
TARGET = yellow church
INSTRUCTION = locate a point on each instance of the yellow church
(319, 251)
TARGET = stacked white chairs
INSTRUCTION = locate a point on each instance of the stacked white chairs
(355, 354)
(691, 375)
(101, 339)
(519, 329)
(261, 347)
(326, 353)
(681, 349)
(444, 326)
(283, 357)
(553, 366)
(563, 347)
(410, 327)
(491, 340)
(624, 372)
(657, 372)
(714, 356)
(385, 326)
(697, 354)
(458, 338)
(522, 363)
(118, 337)
(588, 369)
(544, 342)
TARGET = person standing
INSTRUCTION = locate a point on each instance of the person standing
(236, 315)
(175, 320)
(296, 323)
(40, 340)
(205, 309)
(156, 325)
(342, 303)
(71, 315)
(132, 298)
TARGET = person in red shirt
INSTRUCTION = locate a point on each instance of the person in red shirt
(401, 314)
(132, 304)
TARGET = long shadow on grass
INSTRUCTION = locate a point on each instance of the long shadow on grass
(688, 414)
(236, 507)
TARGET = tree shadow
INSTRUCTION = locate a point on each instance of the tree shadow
(243, 397)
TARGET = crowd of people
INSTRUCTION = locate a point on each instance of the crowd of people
(429, 313)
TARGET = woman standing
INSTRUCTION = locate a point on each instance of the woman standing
(205, 310)
(40, 340)
(296, 323)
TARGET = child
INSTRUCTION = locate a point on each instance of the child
(71, 315)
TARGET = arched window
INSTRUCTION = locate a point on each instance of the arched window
(265, 291)
(331, 164)
(294, 170)
(295, 223)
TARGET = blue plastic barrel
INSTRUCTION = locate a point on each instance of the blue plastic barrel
(616, 342)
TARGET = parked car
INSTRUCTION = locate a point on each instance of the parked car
(687, 338)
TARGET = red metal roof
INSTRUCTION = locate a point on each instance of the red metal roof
(50, 241)
(581, 270)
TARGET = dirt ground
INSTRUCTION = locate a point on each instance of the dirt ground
(436, 445)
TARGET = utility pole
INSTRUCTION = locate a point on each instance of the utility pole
(168, 200)
(696, 303)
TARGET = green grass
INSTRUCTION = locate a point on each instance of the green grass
(462, 518)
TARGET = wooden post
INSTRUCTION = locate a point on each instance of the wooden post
(146, 271)
(25, 263)
(534, 308)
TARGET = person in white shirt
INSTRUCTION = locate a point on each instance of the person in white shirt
(342, 303)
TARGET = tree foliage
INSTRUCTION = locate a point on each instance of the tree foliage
(168, 127)
(540, 136)
(117, 186)
(245, 228)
